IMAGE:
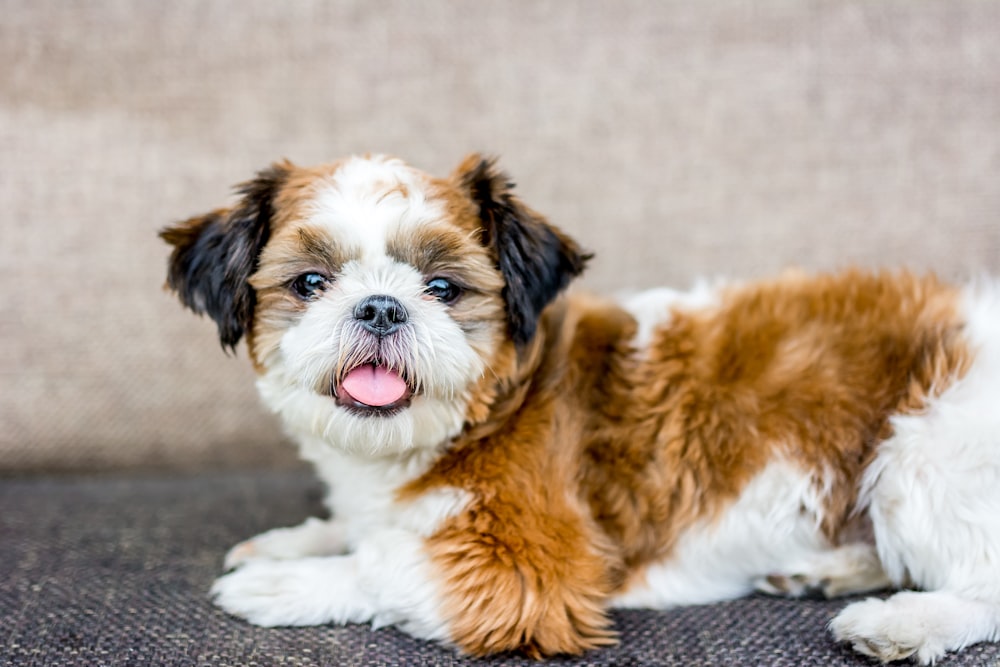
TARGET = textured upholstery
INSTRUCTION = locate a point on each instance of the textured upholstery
(115, 571)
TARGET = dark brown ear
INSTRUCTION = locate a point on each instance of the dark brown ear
(536, 259)
(215, 254)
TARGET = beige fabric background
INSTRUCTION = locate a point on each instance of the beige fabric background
(677, 139)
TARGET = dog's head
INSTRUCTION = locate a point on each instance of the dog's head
(379, 304)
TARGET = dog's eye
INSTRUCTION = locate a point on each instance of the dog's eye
(443, 290)
(308, 285)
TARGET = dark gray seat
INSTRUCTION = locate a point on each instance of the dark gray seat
(108, 570)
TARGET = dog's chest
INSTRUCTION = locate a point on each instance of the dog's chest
(363, 494)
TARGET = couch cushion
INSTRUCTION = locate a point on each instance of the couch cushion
(115, 571)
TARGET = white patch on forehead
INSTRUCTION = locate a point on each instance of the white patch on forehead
(368, 200)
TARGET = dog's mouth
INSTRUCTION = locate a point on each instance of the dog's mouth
(373, 389)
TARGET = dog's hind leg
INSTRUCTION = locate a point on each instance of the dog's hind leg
(923, 625)
(933, 496)
(937, 527)
(846, 570)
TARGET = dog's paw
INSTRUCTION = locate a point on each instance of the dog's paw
(878, 629)
(794, 586)
(314, 537)
(309, 591)
(851, 568)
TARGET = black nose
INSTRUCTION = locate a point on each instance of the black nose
(380, 314)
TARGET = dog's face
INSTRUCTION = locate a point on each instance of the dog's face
(381, 306)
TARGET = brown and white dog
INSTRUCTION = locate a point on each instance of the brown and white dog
(505, 463)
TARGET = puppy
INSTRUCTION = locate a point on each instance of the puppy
(505, 462)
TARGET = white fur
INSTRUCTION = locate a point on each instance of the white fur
(386, 580)
(843, 570)
(367, 563)
(362, 489)
(313, 537)
(297, 576)
(439, 355)
(763, 532)
(923, 625)
(359, 207)
(933, 493)
(354, 207)
(652, 308)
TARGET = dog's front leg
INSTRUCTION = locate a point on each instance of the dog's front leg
(304, 591)
(313, 537)
(387, 581)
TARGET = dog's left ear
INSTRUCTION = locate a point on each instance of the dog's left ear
(536, 259)
(215, 254)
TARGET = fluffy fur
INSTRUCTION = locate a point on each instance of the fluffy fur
(530, 459)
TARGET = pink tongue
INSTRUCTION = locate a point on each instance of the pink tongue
(374, 385)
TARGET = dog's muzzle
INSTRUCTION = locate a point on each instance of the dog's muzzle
(375, 383)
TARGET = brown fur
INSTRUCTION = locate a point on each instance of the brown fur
(297, 247)
(586, 459)
(601, 457)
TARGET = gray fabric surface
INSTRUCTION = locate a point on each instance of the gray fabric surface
(676, 139)
(114, 571)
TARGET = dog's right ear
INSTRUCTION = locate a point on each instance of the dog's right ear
(215, 254)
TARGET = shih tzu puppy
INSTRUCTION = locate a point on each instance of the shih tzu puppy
(506, 462)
